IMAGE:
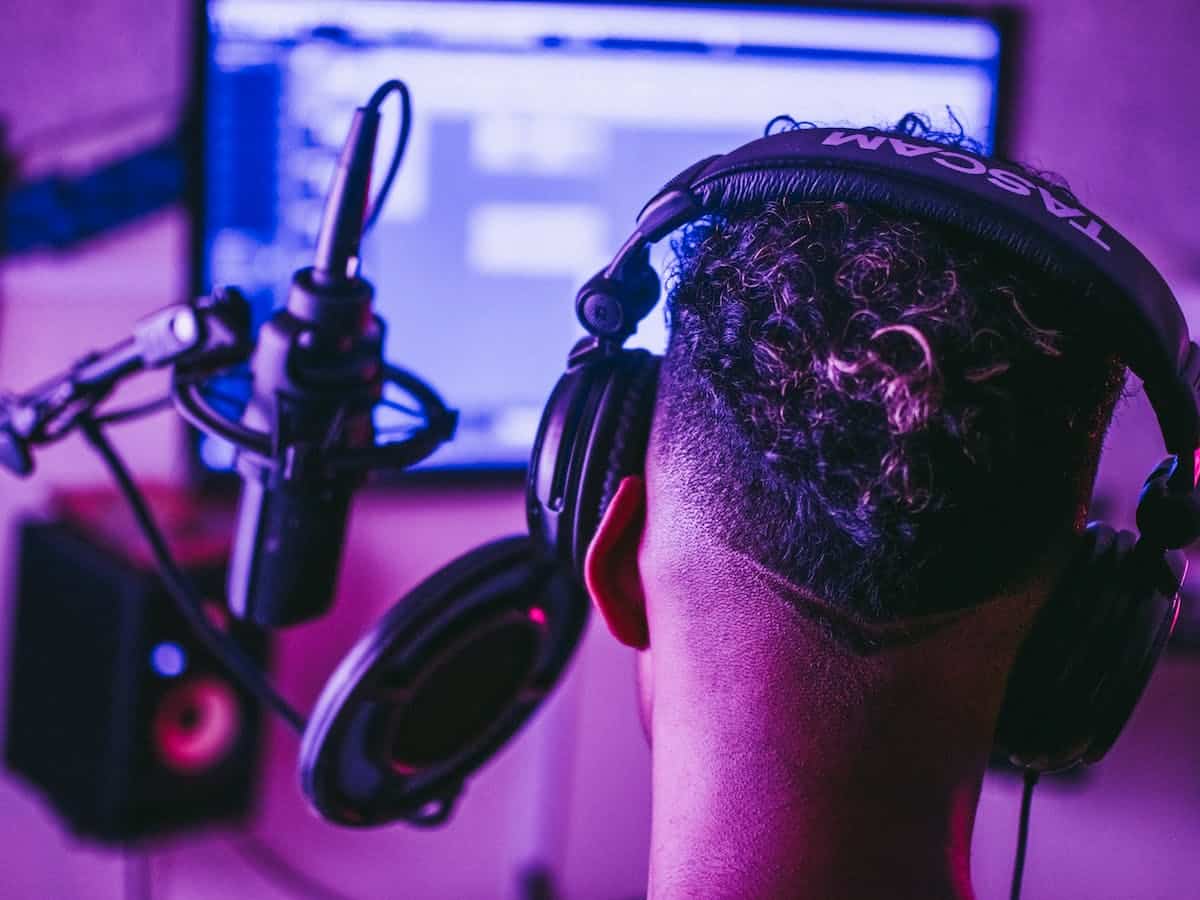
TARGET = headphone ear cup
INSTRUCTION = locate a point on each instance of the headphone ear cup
(633, 410)
(1136, 637)
(1090, 652)
(593, 433)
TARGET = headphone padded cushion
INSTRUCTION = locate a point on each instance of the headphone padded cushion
(631, 431)
(1039, 724)
(593, 434)
(613, 443)
(1089, 654)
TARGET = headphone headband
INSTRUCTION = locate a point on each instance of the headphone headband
(1037, 221)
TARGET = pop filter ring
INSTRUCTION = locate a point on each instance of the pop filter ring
(440, 423)
(465, 599)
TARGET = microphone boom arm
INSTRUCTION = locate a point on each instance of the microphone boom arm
(198, 337)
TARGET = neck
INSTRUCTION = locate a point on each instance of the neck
(785, 767)
(737, 820)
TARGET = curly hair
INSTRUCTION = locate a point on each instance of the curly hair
(894, 415)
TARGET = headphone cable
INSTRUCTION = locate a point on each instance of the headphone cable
(1031, 780)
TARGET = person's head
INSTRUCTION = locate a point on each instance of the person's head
(871, 422)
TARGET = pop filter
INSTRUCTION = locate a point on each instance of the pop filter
(443, 680)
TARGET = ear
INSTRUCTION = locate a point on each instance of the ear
(610, 568)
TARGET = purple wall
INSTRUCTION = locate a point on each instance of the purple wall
(1104, 95)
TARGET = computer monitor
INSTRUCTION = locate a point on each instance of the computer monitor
(540, 130)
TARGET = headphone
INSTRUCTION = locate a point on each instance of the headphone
(488, 635)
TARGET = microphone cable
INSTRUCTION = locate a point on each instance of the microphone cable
(1031, 780)
(381, 94)
(181, 589)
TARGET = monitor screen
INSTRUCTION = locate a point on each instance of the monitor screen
(539, 131)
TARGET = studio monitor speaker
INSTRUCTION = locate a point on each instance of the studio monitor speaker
(116, 714)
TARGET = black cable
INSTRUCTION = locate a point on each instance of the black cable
(276, 870)
(373, 104)
(63, 421)
(1031, 780)
(400, 407)
(197, 411)
(125, 413)
(244, 669)
(231, 400)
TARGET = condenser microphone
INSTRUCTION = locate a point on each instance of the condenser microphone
(317, 374)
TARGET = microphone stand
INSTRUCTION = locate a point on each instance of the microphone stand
(197, 340)
(206, 335)
(200, 338)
